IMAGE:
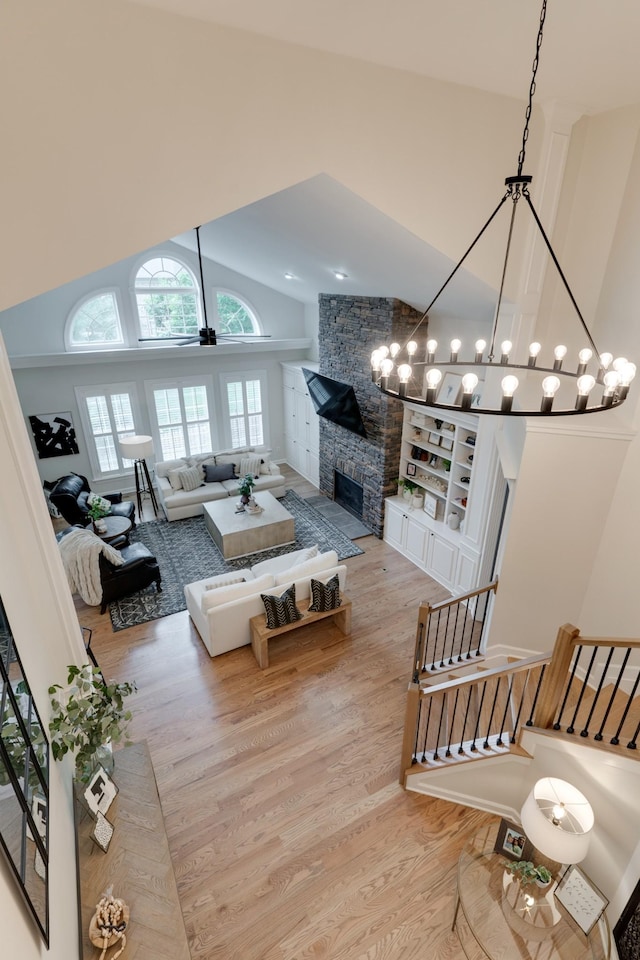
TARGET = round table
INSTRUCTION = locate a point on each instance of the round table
(502, 921)
(116, 527)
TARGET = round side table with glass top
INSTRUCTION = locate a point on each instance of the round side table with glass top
(496, 918)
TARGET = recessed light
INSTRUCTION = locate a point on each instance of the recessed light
(339, 275)
(289, 276)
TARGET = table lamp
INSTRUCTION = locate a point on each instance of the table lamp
(558, 820)
(137, 448)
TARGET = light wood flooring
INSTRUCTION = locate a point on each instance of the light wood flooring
(289, 833)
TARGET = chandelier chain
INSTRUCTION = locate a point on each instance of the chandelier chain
(532, 88)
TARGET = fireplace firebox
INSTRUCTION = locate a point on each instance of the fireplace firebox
(348, 493)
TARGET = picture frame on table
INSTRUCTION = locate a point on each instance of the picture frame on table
(430, 505)
(512, 842)
(100, 792)
(411, 469)
(580, 898)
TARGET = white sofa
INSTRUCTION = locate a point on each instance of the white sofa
(178, 503)
(221, 609)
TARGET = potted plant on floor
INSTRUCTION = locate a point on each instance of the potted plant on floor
(87, 717)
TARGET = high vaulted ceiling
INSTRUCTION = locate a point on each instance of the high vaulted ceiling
(589, 55)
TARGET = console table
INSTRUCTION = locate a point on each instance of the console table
(493, 920)
(137, 864)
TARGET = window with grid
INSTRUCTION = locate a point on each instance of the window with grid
(182, 415)
(244, 395)
(94, 323)
(107, 414)
(234, 315)
(167, 299)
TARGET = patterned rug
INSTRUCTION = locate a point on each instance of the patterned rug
(185, 553)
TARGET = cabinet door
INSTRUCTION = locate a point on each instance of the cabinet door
(416, 543)
(467, 567)
(441, 560)
(394, 526)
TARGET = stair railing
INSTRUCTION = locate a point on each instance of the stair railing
(451, 632)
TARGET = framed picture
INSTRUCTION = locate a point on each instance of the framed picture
(54, 435)
(102, 832)
(626, 932)
(476, 396)
(434, 438)
(512, 843)
(581, 898)
(100, 793)
(411, 469)
(450, 388)
(430, 505)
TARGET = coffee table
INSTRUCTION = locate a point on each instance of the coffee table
(238, 534)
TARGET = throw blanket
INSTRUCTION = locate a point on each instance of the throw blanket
(80, 551)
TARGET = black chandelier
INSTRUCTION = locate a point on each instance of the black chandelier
(488, 383)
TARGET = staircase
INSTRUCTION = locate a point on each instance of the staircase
(585, 689)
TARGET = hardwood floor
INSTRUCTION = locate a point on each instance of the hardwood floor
(289, 833)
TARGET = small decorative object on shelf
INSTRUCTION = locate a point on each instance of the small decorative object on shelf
(109, 924)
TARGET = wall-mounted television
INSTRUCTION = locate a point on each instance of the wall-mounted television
(335, 401)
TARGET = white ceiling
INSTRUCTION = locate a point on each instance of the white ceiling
(589, 57)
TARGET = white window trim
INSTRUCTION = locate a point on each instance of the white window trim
(81, 396)
(71, 347)
(243, 375)
(245, 303)
(168, 383)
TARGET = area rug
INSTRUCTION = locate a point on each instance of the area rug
(185, 552)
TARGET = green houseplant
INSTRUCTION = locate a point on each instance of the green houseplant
(87, 715)
(526, 872)
(245, 487)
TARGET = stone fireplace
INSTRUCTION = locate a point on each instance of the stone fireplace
(349, 330)
(348, 494)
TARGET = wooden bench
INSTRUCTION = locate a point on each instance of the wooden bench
(260, 635)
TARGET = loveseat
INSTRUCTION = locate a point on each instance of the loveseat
(182, 494)
(222, 606)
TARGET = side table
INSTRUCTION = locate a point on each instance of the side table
(494, 918)
(116, 527)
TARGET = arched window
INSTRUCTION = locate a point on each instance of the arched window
(95, 323)
(167, 298)
(235, 315)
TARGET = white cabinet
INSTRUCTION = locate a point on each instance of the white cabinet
(451, 462)
(301, 428)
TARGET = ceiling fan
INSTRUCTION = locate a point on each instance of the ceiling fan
(206, 336)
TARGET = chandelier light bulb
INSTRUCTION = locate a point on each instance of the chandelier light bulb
(376, 360)
(505, 348)
(585, 384)
(455, 347)
(619, 362)
(550, 386)
(605, 360)
(480, 348)
(469, 383)
(611, 384)
(534, 350)
(509, 386)
(432, 346)
(433, 378)
(559, 354)
(404, 373)
(627, 373)
(585, 355)
(386, 367)
(412, 346)
(394, 349)
(383, 351)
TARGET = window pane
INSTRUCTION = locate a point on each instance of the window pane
(238, 435)
(122, 413)
(256, 437)
(164, 272)
(106, 450)
(235, 398)
(254, 400)
(172, 443)
(96, 322)
(167, 406)
(98, 415)
(234, 316)
(199, 437)
(167, 314)
(195, 403)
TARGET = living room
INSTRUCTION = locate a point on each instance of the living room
(71, 211)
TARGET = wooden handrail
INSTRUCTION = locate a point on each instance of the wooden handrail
(460, 599)
(516, 667)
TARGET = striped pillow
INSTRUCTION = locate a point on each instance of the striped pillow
(192, 478)
(281, 610)
(325, 596)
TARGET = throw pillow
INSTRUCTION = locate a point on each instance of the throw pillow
(249, 465)
(191, 478)
(325, 596)
(214, 473)
(281, 610)
(265, 463)
(240, 593)
(225, 582)
(175, 478)
(95, 498)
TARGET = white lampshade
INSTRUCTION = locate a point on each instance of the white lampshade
(558, 820)
(136, 447)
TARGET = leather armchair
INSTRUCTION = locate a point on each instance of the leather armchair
(139, 570)
(69, 494)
